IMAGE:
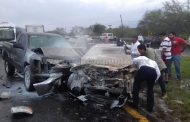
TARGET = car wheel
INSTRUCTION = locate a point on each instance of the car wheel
(28, 79)
(9, 68)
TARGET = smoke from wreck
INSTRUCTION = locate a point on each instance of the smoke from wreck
(81, 43)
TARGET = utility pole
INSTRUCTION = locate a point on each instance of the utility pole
(188, 5)
(121, 26)
(109, 29)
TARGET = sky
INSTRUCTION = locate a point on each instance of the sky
(69, 13)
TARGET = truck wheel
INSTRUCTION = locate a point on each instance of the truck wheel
(28, 79)
(9, 68)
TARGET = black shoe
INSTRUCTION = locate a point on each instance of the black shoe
(122, 101)
(119, 103)
(150, 110)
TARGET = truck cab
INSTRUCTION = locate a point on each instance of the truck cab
(7, 32)
(108, 36)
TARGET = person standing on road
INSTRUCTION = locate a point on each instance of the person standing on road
(133, 48)
(148, 72)
(178, 46)
(140, 38)
(154, 54)
(165, 48)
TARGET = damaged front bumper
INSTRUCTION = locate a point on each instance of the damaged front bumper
(45, 86)
(92, 83)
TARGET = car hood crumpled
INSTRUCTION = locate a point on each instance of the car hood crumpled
(107, 55)
(61, 53)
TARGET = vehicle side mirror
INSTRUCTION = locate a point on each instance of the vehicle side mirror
(17, 45)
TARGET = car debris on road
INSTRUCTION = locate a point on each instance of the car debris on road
(22, 110)
(5, 95)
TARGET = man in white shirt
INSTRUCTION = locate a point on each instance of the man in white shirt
(140, 38)
(155, 55)
(148, 72)
(133, 48)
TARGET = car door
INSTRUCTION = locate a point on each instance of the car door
(20, 53)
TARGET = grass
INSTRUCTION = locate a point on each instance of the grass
(180, 91)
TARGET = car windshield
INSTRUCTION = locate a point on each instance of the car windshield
(48, 41)
(7, 34)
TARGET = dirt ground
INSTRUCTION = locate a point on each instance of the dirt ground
(52, 107)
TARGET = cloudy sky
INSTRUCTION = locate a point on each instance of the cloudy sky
(69, 13)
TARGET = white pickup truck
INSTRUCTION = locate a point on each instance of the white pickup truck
(109, 36)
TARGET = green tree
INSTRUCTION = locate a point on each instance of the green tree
(172, 17)
(98, 29)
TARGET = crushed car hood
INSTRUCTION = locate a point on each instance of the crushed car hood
(61, 53)
(107, 55)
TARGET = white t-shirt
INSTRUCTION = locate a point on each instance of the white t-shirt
(140, 38)
(133, 49)
(144, 61)
(166, 44)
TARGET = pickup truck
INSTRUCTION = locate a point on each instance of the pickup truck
(35, 56)
(108, 36)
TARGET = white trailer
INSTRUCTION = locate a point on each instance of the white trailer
(35, 28)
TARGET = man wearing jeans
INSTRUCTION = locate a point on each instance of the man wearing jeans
(178, 45)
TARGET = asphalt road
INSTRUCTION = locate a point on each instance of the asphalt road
(51, 108)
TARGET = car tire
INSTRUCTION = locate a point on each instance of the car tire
(9, 68)
(28, 79)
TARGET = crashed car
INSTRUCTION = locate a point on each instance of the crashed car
(37, 56)
(104, 76)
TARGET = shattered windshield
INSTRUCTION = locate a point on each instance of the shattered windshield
(38, 41)
(7, 34)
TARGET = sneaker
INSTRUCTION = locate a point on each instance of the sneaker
(164, 96)
(122, 100)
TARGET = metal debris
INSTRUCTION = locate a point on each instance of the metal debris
(45, 86)
(5, 95)
(82, 98)
(82, 118)
(19, 89)
(22, 110)
(7, 84)
(104, 117)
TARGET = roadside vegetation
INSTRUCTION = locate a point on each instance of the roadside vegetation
(178, 99)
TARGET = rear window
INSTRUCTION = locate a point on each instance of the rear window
(110, 34)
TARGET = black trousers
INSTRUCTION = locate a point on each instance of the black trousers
(148, 75)
(162, 82)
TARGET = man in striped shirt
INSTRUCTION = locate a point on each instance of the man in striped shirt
(165, 47)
